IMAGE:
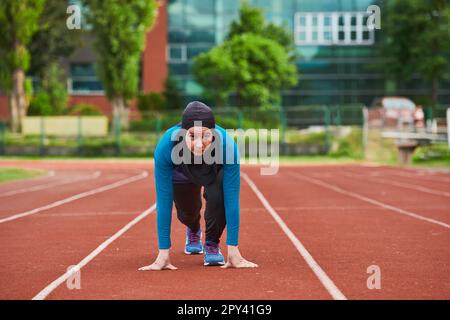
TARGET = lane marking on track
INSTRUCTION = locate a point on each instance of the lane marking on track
(429, 177)
(107, 187)
(370, 200)
(52, 286)
(49, 185)
(49, 174)
(318, 271)
(402, 185)
(87, 214)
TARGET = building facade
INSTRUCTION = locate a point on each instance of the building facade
(336, 52)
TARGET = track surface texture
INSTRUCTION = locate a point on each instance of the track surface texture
(316, 232)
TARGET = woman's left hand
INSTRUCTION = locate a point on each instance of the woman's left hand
(235, 259)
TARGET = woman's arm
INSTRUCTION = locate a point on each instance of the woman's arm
(231, 190)
(164, 191)
(164, 200)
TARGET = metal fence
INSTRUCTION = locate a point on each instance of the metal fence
(140, 136)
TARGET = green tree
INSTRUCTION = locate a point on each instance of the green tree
(53, 40)
(255, 62)
(416, 40)
(214, 70)
(261, 69)
(251, 20)
(119, 28)
(19, 20)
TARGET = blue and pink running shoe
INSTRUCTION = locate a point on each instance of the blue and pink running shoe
(213, 256)
(193, 242)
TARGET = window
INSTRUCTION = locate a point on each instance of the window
(83, 79)
(332, 28)
(177, 53)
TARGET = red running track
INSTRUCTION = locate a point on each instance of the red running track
(313, 231)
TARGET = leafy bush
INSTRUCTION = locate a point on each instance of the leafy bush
(84, 109)
(434, 152)
(40, 105)
(52, 97)
(150, 103)
(172, 96)
(349, 146)
(317, 138)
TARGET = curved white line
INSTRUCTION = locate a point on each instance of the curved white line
(49, 185)
(76, 197)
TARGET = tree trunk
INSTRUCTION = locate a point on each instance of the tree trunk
(17, 100)
(120, 113)
(434, 91)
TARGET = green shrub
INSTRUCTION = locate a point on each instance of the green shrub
(149, 104)
(172, 96)
(349, 146)
(40, 105)
(52, 97)
(434, 152)
(317, 138)
(84, 109)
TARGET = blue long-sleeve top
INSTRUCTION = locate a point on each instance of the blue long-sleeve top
(164, 188)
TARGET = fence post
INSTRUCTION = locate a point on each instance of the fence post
(428, 115)
(2, 138)
(158, 127)
(42, 150)
(365, 135)
(240, 119)
(283, 126)
(448, 127)
(327, 120)
(80, 136)
(117, 134)
(338, 116)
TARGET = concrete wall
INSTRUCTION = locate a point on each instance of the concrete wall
(66, 126)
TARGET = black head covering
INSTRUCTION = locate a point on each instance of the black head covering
(197, 111)
(199, 173)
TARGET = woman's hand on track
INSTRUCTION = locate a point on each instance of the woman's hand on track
(235, 259)
(161, 262)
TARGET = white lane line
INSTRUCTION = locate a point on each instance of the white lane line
(77, 196)
(431, 177)
(402, 185)
(318, 271)
(49, 174)
(52, 286)
(49, 185)
(366, 199)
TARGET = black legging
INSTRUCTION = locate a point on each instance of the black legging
(188, 203)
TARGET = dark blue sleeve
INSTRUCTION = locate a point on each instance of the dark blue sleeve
(231, 187)
(164, 189)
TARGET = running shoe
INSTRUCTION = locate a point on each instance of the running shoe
(213, 256)
(193, 242)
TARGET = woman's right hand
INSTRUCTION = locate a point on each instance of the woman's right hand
(161, 262)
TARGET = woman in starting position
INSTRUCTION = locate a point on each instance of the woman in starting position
(193, 154)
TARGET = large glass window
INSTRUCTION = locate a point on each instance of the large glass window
(332, 28)
(177, 53)
(334, 45)
(200, 7)
(83, 79)
(195, 50)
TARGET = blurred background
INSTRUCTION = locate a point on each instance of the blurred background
(341, 79)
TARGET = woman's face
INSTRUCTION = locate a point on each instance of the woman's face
(198, 139)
